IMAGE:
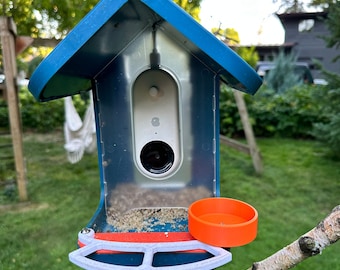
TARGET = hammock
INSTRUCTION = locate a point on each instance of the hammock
(80, 136)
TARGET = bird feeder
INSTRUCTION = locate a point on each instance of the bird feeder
(155, 75)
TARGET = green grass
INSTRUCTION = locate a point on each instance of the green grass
(63, 199)
(298, 188)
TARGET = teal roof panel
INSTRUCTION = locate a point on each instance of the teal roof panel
(110, 27)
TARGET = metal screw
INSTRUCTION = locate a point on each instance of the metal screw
(85, 231)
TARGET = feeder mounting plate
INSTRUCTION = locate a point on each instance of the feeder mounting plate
(92, 245)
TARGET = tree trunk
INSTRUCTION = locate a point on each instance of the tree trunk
(312, 243)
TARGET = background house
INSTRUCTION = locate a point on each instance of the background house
(303, 37)
(305, 31)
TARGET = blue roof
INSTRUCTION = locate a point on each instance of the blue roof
(73, 64)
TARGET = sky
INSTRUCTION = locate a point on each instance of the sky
(247, 17)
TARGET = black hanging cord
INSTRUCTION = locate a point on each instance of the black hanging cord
(155, 57)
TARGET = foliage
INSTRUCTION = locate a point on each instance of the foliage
(7, 165)
(22, 12)
(47, 19)
(333, 23)
(34, 18)
(282, 76)
(329, 131)
(249, 54)
(322, 3)
(291, 114)
(66, 13)
(43, 18)
(298, 188)
(3, 114)
(228, 35)
(33, 64)
(290, 6)
(190, 6)
(230, 122)
(38, 116)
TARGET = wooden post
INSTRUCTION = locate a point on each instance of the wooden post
(8, 32)
(248, 130)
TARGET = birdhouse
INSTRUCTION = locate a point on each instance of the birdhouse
(155, 75)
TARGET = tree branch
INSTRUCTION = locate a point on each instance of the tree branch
(312, 243)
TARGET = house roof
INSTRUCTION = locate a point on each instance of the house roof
(82, 55)
(302, 15)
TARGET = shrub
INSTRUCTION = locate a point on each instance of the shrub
(42, 117)
(283, 76)
(230, 122)
(39, 116)
(290, 114)
(4, 123)
(329, 131)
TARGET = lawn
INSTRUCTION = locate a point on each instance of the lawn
(298, 188)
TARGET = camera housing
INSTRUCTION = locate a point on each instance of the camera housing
(157, 138)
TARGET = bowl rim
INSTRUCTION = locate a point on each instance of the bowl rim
(208, 223)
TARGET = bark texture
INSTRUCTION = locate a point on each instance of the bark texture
(312, 243)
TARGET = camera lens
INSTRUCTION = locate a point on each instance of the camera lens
(157, 157)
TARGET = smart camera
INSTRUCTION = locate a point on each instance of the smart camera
(156, 124)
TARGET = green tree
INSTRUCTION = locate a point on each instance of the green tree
(23, 15)
(190, 6)
(249, 54)
(322, 3)
(57, 17)
(329, 132)
(282, 76)
(228, 35)
(63, 13)
(34, 18)
(333, 23)
(290, 6)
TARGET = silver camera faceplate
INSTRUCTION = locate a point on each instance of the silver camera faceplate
(174, 104)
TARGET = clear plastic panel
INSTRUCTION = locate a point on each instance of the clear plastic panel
(157, 132)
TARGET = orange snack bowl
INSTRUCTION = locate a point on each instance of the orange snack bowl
(222, 222)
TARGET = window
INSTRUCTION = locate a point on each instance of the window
(306, 25)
